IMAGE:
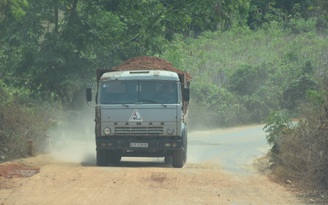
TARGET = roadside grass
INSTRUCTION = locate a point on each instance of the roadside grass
(24, 126)
(300, 155)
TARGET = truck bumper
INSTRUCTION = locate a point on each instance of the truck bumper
(154, 147)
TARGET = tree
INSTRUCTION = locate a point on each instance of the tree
(296, 91)
(265, 11)
(52, 47)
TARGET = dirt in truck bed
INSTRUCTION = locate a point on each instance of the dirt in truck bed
(149, 63)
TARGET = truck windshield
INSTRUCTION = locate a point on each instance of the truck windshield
(146, 92)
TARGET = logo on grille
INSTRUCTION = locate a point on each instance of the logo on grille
(135, 116)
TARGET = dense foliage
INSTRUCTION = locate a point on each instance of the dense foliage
(52, 47)
(264, 70)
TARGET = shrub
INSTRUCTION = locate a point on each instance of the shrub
(277, 126)
(20, 124)
(303, 152)
(212, 106)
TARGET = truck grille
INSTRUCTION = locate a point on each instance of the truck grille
(139, 130)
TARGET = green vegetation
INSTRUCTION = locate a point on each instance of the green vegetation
(300, 152)
(241, 75)
(252, 61)
(277, 125)
(23, 120)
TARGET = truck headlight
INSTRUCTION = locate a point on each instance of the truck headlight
(107, 131)
(170, 130)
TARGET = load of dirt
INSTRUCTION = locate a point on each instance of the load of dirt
(149, 63)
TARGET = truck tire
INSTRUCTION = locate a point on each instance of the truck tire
(101, 158)
(178, 158)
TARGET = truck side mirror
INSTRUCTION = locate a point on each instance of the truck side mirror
(186, 94)
(88, 94)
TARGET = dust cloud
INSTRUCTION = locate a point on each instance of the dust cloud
(73, 140)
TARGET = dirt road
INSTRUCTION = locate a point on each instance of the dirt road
(205, 179)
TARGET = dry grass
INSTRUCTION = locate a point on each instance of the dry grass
(20, 125)
(302, 154)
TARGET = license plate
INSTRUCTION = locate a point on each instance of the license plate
(139, 144)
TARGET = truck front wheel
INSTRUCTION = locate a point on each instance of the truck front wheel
(101, 158)
(179, 158)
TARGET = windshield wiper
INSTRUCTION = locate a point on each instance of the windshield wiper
(152, 101)
(114, 102)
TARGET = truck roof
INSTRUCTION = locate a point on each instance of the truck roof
(140, 75)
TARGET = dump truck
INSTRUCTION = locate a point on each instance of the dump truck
(141, 110)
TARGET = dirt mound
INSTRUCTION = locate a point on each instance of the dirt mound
(16, 170)
(149, 63)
